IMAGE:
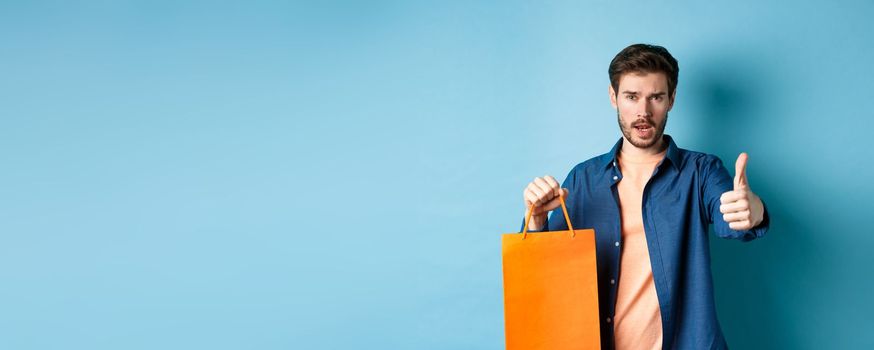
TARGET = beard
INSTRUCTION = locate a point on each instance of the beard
(628, 131)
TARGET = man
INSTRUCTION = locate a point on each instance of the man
(651, 204)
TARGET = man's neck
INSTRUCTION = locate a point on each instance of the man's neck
(634, 152)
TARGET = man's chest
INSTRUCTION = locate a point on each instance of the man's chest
(631, 190)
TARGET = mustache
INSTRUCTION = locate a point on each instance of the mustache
(642, 122)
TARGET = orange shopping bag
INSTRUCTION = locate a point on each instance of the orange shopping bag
(550, 289)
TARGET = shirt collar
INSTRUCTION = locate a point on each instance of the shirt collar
(673, 154)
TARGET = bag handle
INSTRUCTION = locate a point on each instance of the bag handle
(563, 208)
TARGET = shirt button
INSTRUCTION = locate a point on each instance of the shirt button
(612, 281)
(615, 177)
(617, 244)
(608, 320)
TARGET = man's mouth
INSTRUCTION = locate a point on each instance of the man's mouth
(644, 130)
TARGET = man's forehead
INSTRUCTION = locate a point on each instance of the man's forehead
(643, 82)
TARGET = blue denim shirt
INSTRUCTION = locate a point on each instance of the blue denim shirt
(680, 202)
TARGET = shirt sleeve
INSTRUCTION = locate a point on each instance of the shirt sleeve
(717, 181)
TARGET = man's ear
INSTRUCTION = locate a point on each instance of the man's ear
(673, 96)
(613, 97)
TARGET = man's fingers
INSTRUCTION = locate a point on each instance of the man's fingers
(556, 202)
(530, 197)
(545, 187)
(740, 225)
(740, 169)
(734, 207)
(552, 183)
(732, 196)
(541, 196)
(735, 217)
(538, 194)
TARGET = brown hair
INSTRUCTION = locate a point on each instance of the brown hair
(644, 58)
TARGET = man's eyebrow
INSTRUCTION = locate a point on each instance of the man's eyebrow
(654, 94)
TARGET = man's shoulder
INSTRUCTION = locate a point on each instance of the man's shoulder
(698, 160)
(599, 163)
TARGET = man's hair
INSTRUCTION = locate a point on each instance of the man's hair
(644, 58)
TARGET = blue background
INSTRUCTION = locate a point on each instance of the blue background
(336, 174)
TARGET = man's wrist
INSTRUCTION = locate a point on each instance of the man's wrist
(538, 222)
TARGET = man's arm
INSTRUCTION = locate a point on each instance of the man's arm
(733, 208)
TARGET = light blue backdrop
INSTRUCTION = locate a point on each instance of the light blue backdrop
(331, 175)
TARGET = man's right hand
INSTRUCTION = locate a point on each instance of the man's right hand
(543, 192)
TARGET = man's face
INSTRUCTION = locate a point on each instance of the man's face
(642, 104)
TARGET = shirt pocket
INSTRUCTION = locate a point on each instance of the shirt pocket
(669, 213)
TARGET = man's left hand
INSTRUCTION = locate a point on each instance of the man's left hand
(741, 208)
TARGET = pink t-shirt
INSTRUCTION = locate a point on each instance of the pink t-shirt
(637, 323)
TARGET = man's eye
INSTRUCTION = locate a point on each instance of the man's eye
(657, 98)
(631, 97)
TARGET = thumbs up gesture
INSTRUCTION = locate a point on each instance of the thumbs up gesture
(741, 208)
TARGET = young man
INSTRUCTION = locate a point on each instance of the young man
(651, 204)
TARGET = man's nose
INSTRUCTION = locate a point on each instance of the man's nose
(644, 110)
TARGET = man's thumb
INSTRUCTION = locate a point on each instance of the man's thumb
(740, 171)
